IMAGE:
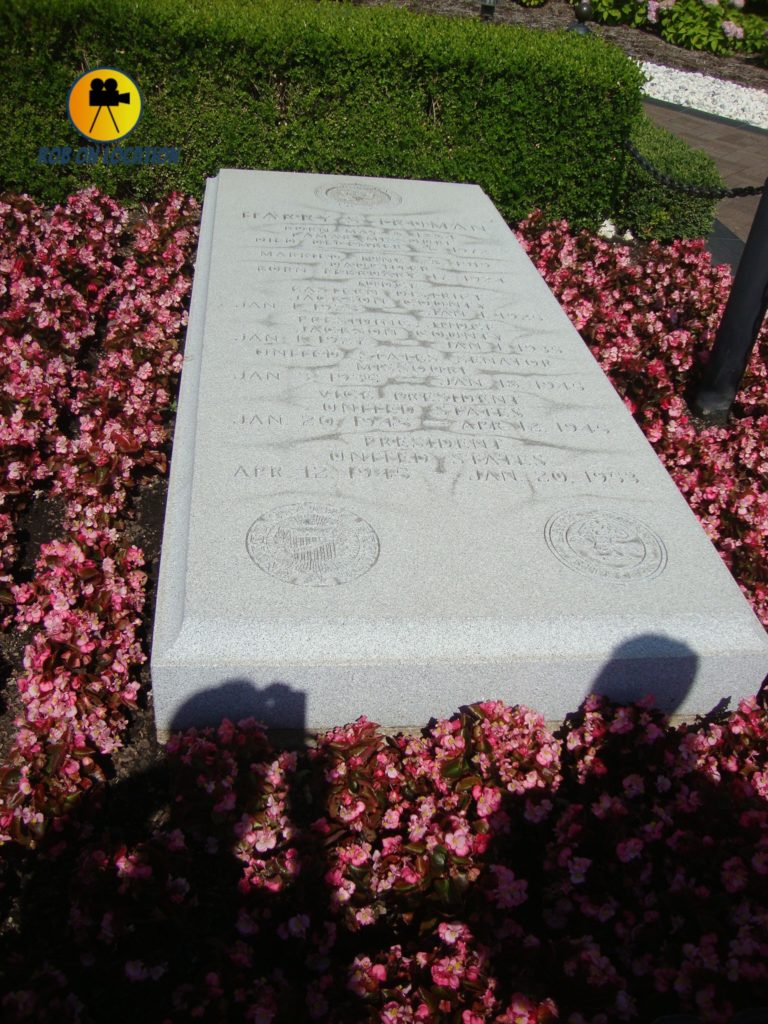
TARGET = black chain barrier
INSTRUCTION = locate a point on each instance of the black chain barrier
(691, 190)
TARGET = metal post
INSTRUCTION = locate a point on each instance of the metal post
(742, 319)
(583, 12)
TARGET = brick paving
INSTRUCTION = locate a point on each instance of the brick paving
(741, 154)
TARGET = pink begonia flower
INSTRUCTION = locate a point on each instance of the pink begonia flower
(226, 803)
(409, 874)
(136, 971)
(298, 925)
(128, 867)
(356, 855)
(546, 756)
(245, 923)
(759, 781)
(731, 30)
(734, 875)
(365, 916)
(351, 811)
(629, 850)
(453, 931)
(577, 869)
(510, 891)
(390, 845)
(358, 979)
(535, 813)
(634, 785)
(488, 800)
(391, 818)
(480, 843)
(448, 972)
(521, 1010)
(394, 1013)
(459, 842)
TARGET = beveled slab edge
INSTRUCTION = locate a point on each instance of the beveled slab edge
(169, 611)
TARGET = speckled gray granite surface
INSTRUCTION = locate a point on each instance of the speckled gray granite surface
(401, 483)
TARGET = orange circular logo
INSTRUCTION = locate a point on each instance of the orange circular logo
(104, 105)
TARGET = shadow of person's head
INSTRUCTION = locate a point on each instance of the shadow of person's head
(649, 665)
(277, 706)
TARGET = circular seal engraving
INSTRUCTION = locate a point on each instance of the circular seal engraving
(312, 545)
(605, 545)
(355, 193)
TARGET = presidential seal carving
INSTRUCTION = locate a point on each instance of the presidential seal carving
(312, 545)
(606, 545)
(359, 194)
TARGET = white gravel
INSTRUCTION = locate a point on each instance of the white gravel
(711, 95)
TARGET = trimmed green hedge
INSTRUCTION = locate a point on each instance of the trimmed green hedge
(643, 206)
(536, 119)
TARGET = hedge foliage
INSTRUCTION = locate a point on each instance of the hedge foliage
(720, 26)
(644, 207)
(536, 119)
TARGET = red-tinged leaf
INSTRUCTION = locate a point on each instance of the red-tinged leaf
(443, 889)
(438, 858)
(56, 755)
(459, 884)
(417, 848)
(9, 777)
(402, 886)
(126, 446)
(453, 769)
(333, 837)
(430, 997)
(468, 782)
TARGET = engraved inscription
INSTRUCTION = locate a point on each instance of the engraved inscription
(358, 194)
(606, 545)
(403, 350)
(312, 545)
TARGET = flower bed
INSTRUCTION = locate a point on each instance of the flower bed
(488, 870)
(650, 318)
(719, 26)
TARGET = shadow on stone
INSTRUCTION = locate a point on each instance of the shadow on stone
(649, 664)
(276, 705)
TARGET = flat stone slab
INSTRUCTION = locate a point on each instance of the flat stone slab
(401, 483)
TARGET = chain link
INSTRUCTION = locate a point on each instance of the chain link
(691, 190)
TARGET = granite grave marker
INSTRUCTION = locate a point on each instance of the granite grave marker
(401, 483)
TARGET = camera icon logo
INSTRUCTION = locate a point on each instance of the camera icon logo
(104, 105)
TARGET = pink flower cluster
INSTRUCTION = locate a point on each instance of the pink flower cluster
(660, 861)
(91, 313)
(418, 815)
(486, 871)
(375, 878)
(649, 316)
